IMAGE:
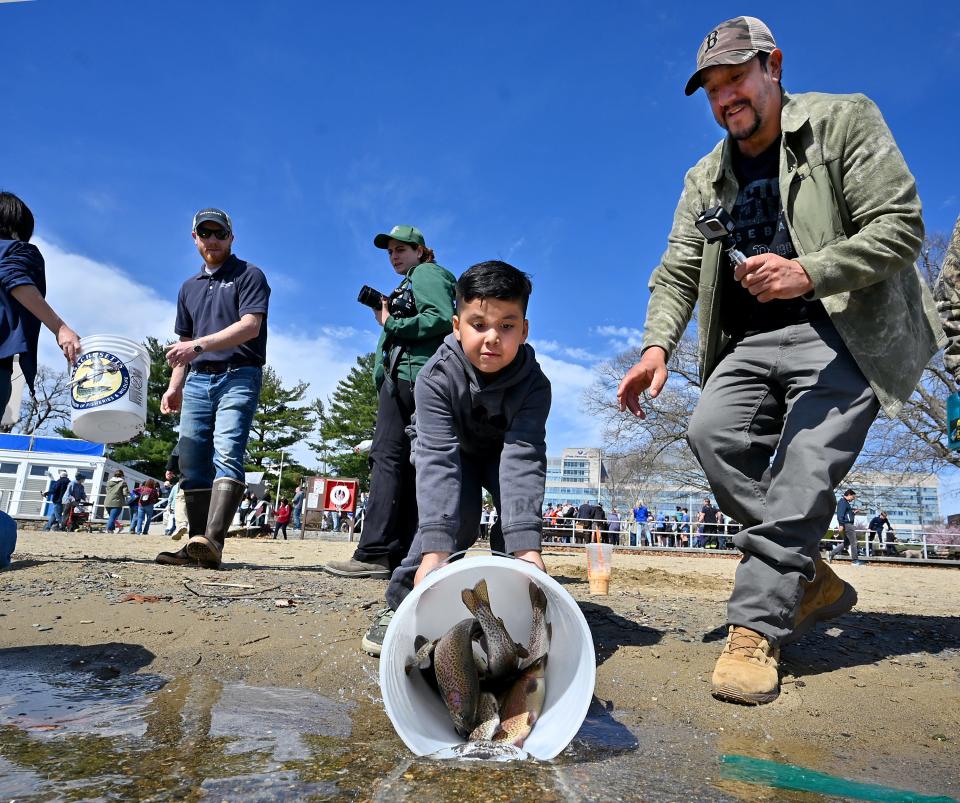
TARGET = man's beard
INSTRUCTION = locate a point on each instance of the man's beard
(750, 130)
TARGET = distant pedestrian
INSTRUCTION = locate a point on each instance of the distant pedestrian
(846, 513)
(54, 496)
(613, 527)
(297, 505)
(114, 498)
(149, 496)
(881, 528)
(75, 496)
(281, 518)
(173, 512)
(708, 518)
(641, 515)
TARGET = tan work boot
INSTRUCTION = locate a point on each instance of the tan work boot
(825, 598)
(748, 669)
(379, 567)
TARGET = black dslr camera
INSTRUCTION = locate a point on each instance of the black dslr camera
(370, 297)
(400, 302)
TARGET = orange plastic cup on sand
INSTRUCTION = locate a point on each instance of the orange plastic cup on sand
(599, 564)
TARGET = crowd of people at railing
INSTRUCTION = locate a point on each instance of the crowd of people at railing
(708, 528)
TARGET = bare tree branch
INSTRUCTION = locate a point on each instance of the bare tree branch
(49, 408)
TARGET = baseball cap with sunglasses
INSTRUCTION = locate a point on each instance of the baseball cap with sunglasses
(211, 215)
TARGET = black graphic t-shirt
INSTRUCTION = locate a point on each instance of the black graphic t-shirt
(760, 228)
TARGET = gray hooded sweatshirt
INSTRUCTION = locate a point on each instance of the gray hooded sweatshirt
(461, 418)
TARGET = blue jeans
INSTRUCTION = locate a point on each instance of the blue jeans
(144, 514)
(215, 422)
(296, 518)
(55, 517)
(112, 516)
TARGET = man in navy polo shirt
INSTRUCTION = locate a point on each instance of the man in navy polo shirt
(215, 384)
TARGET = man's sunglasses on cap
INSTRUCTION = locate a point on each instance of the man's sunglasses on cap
(220, 234)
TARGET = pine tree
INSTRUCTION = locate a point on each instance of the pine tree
(279, 423)
(148, 452)
(345, 420)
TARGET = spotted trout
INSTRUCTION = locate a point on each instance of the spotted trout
(540, 630)
(488, 718)
(520, 707)
(423, 660)
(457, 676)
(503, 654)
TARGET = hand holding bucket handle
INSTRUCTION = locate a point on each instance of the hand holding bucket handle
(69, 342)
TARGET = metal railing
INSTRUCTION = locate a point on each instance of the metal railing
(911, 544)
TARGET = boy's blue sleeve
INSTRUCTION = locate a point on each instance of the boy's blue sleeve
(523, 471)
(439, 475)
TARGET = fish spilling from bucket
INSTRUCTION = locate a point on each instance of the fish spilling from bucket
(492, 686)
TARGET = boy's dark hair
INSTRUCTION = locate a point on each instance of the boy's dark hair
(493, 279)
(16, 219)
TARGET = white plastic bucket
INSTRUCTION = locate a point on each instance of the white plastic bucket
(418, 714)
(108, 394)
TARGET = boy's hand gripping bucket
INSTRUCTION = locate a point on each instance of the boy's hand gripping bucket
(417, 712)
(108, 392)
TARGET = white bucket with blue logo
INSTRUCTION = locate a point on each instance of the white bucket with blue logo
(108, 393)
(433, 607)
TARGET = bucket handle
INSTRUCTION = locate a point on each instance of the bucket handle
(457, 555)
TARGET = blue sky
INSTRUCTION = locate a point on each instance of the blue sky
(552, 135)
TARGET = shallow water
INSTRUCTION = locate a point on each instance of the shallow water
(71, 735)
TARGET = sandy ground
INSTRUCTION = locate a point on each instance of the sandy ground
(877, 692)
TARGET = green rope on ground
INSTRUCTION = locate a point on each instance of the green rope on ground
(789, 776)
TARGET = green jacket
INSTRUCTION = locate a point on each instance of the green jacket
(854, 216)
(412, 341)
(117, 493)
(947, 294)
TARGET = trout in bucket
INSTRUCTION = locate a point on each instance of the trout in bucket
(503, 654)
(457, 674)
(520, 707)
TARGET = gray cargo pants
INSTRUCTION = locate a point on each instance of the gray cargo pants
(779, 423)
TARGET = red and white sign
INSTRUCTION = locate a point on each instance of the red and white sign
(340, 495)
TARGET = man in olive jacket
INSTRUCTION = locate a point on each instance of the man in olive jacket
(793, 367)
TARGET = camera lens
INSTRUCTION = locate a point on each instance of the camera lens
(370, 297)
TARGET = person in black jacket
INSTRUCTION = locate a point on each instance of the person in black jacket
(54, 496)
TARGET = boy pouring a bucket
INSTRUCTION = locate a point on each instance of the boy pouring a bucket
(482, 403)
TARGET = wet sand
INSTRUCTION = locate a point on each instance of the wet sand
(874, 698)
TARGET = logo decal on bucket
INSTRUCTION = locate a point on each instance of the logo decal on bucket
(100, 378)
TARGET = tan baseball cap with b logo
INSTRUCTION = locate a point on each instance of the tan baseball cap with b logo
(732, 42)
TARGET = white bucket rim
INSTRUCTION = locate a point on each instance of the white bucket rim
(586, 662)
(93, 343)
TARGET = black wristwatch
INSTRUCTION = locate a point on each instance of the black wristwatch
(197, 348)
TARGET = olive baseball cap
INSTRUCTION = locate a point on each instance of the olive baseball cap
(732, 42)
(211, 215)
(405, 234)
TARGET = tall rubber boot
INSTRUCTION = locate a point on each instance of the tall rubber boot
(198, 507)
(208, 548)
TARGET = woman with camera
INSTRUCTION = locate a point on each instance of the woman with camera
(415, 318)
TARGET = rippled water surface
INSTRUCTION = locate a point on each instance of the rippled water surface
(72, 735)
